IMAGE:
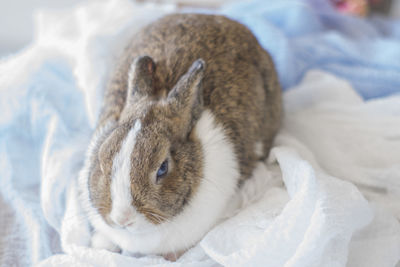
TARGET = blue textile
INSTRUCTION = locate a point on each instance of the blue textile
(303, 35)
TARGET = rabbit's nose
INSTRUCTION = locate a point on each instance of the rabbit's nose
(123, 218)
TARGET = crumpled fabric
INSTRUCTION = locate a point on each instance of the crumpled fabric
(333, 217)
(301, 208)
(304, 35)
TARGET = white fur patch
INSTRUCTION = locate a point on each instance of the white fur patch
(99, 241)
(221, 174)
(122, 211)
(258, 148)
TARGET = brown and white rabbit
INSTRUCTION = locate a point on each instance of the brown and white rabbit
(193, 105)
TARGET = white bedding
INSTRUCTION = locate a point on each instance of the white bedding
(338, 203)
(329, 194)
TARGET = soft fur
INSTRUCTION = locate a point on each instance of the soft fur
(199, 92)
(214, 191)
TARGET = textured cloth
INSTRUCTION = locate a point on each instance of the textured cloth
(303, 35)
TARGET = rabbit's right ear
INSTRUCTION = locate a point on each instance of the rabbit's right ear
(186, 98)
(141, 78)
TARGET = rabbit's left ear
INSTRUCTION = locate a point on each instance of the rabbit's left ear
(141, 78)
(186, 98)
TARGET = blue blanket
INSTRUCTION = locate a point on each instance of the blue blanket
(303, 35)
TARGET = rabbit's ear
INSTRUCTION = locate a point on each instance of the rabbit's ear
(141, 78)
(186, 98)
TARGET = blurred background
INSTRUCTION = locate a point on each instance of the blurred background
(16, 16)
(16, 21)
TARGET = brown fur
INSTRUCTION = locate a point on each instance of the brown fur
(238, 84)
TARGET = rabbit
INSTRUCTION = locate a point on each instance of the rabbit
(192, 106)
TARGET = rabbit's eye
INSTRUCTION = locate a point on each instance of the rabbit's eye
(162, 171)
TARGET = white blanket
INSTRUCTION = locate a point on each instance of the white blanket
(333, 153)
(329, 194)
